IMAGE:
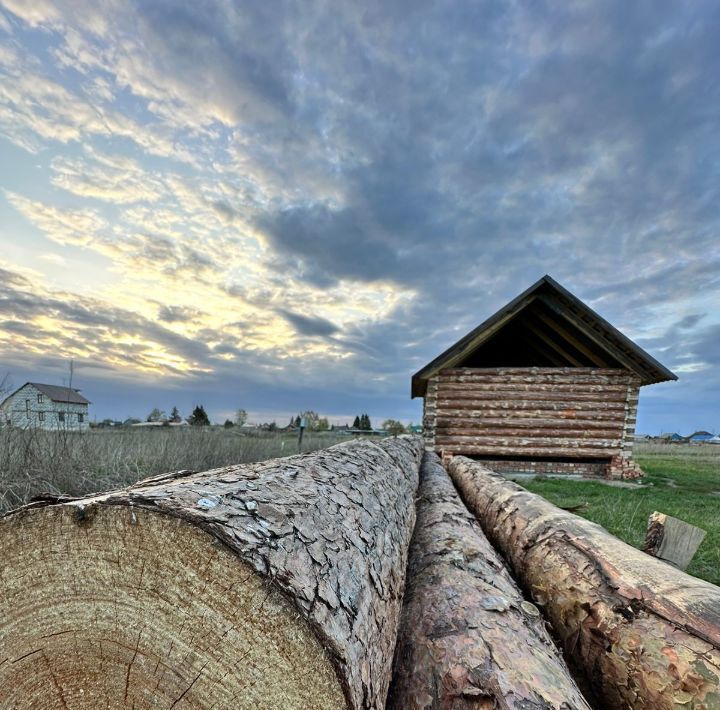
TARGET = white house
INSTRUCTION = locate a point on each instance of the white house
(51, 407)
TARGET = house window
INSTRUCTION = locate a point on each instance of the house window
(61, 416)
(41, 398)
(80, 418)
(27, 408)
(41, 416)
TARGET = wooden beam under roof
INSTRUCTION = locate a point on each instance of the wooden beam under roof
(588, 352)
(551, 343)
(538, 348)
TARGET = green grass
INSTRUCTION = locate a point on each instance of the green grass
(679, 481)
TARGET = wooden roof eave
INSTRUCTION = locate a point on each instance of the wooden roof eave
(632, 356)
(471, 341)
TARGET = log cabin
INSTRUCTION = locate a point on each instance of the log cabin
(545, 385)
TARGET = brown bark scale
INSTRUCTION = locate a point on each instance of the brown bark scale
(646, 634)
(467, 638)
(276, 584)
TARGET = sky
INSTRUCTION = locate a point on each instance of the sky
(284, 206)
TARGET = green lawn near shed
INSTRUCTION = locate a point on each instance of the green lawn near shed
(681, 480)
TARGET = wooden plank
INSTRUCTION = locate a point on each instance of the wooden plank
(672, 540)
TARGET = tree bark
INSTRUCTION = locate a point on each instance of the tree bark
(467, 638)
(276, 584)
(646, 634)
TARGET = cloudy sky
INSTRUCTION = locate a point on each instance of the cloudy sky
(293, 205)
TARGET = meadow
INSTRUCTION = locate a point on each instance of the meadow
(34, 461)
(681, 480)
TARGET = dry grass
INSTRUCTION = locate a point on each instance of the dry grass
(34, 462)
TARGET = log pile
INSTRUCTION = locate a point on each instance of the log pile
(646, 634)
(467, 636)
(280, 585)
(271, 585)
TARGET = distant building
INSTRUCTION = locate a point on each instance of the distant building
(38, 406)
(671, 436)
(700, 436)
(545, 385)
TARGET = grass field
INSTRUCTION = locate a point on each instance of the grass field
(681, 480)
(33, 462)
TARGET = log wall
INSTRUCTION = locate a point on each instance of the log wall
(532, 414)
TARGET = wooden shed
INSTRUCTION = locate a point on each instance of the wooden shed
(545, 385)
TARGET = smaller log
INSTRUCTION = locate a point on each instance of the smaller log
(468, 639)
(645, 634)
(672, 540)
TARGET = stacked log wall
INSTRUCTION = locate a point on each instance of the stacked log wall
(429, 418)
(564, 413)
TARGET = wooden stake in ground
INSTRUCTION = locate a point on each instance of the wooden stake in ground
(672, 540)
(467, 637)
(646, 634)
(270, 585)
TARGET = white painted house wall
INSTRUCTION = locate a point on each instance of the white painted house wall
(29, 408)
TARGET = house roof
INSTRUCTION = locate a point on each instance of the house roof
(55, 393)
(545, 325)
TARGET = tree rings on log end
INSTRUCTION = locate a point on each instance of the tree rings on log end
(132, 608)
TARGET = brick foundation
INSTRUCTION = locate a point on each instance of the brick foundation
(618, 467)
(592, 469)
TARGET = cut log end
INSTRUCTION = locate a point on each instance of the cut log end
(120, 607)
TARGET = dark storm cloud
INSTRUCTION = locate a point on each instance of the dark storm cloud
(325, 245)
(308, 325)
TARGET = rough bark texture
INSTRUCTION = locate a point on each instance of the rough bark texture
(646, 634)
(468, 639)
(277, 584)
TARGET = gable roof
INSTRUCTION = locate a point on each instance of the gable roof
(576, 329)
(55, 393)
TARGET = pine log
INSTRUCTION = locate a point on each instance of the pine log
(268, 585)
(646, 634)
(467, 638)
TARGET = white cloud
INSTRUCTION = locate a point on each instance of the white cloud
(113, 178)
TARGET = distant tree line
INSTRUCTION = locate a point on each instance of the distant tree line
(362, 422)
